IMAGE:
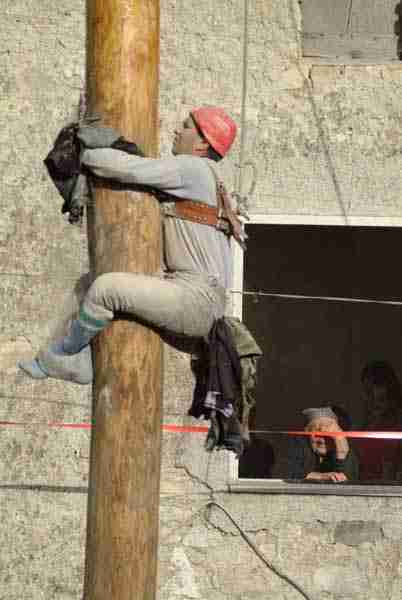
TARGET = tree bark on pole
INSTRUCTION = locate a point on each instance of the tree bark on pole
(124, 235)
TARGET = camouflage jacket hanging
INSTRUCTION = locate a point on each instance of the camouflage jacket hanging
(225, 379)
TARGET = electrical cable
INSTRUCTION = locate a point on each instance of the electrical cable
(322, 136)
(243, 99)
(34, 487)
(349, 19)
(322, 298)
(242, 200)
(260, 555)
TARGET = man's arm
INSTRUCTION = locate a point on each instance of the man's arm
(108, 163)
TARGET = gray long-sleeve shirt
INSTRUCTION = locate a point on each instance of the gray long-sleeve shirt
(188, 246)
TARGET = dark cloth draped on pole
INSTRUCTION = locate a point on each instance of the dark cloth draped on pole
(124, 235)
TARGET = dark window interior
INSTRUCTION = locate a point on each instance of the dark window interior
(315, 350)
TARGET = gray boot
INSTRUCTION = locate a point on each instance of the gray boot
(32, 368)
(54, 362)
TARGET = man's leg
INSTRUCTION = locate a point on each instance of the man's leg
(81, 332)
(180, 307)
(176, 306)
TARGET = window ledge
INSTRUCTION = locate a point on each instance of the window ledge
(280, 486)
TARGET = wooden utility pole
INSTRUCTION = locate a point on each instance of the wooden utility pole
(124, 235)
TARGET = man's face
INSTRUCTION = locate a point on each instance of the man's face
(186, 139)
(319, 444)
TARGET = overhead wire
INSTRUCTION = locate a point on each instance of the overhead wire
(318, 121)
(344, 211)
(242, 200)
(258, 552)
(349, 17)
(243, 117)
(289, 296)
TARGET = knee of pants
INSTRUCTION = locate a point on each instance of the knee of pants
(101, 288)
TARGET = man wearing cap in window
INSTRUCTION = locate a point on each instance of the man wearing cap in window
(323, 458)
(191, 294)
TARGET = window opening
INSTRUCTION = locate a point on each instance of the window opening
(325, 305)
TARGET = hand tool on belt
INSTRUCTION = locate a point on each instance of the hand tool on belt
(197, 212)
(221, 217)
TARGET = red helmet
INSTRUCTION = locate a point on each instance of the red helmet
(216, 126)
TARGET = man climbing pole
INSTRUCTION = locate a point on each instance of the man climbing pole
(191, 294)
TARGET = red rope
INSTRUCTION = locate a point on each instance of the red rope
(381, 435)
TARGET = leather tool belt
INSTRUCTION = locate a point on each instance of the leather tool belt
(197, 212)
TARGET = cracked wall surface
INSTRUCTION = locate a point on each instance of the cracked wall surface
(325, 140)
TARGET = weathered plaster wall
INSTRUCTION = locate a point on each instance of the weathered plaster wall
(320, 136)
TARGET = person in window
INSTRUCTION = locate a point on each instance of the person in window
(322, 458)
(380, 459)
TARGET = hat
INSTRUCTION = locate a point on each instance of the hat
(318, 413)
(216, 126)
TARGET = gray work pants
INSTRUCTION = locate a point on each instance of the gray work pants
(185, 304)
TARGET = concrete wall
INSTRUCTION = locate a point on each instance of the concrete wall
(325, 140)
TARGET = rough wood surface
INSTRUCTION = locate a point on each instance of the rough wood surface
(124, 235)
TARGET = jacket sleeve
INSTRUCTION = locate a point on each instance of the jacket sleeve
(108, 163)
